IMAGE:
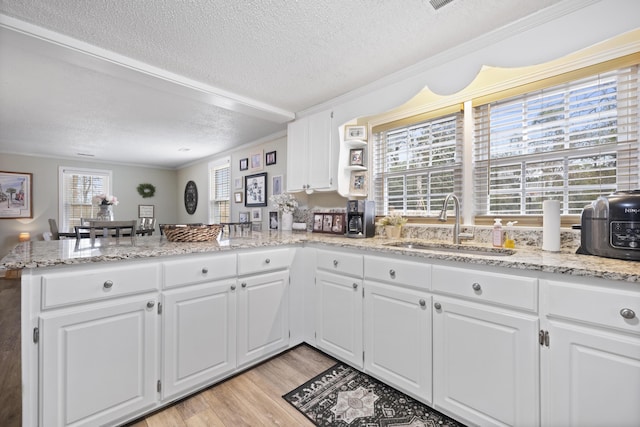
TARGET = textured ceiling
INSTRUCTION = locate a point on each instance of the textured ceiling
(270, 59)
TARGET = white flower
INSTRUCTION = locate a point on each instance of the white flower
(284, 202)
(105, 199)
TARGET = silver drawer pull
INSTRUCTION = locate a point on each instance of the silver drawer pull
(422, 303)
(233, 287)
(627, 313)
(437, 306)
(267, 260)
(355, 286)
(205, 270)
(392, 273)
(335, 262)
(476, 287)
(108, 284)
(244, 284)
(150, 304)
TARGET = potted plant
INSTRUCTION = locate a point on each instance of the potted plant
(392, 224)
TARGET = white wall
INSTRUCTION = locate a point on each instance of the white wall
(45, 193)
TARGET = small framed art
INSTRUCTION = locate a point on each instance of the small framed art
(332, 223)
(355, 132)
(358, 183)
(15, 195)
(270, 158)
(146, 211)
(356, 157)
(237, 197)
(244, 164)
(244, 217)
(276, 185)
(273, 220)
(256, 215)
(255, 160)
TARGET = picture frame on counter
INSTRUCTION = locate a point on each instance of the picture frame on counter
(352, 132)
(255, 190)
(329, 223)
(273, 220)
(358, 183)
(16, 200)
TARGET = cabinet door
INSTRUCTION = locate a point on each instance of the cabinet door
(339, 316)
(98, 362)
(263, 316)
(199, 335)
(397, 338)
(485, 363)
(297, 146)
(592, 377)
(320, 149)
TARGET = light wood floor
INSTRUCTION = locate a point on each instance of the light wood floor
(252, 398)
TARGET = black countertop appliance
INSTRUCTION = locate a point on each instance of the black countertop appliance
(361, 218)
(610, 226)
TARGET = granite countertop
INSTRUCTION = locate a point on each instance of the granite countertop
(67, 252)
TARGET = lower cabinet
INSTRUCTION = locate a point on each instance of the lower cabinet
(199, 335)
(263, 316)
(339, 316)
(485, 363)
(397, 338)
(98, 362)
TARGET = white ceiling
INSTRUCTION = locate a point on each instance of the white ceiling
(164, 82)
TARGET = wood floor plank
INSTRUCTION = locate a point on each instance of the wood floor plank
(229, 407)
(10, 363)
(206, 418)
(168, 417)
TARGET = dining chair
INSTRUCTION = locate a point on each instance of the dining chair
(53, 228)
(108, 228)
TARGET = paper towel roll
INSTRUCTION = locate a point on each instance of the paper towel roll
(551, 225)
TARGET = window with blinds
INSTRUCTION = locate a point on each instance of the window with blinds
(572, 142)
(77, 189)
(417, 165)
(220, 189)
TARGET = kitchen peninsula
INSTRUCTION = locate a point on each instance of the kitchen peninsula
(156, 321)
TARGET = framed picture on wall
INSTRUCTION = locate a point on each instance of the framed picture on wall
(244, 217)
(270, 158)
(146, 211)
(355, 132)
(255, 190)
(276, 185)
(237, 197)
(256, 215)
(358, 183)
(237, 183)
(356, 157)
(255, 160)
(16, 195)
(244, 164)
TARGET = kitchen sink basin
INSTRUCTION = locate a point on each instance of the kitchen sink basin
(453, 249)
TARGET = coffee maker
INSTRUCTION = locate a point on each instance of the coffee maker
(361, 217)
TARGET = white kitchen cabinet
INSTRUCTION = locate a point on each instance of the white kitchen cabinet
(99, 361)
(339, 316)
(485, 349)
(199, 331)
(311, 154)
(591, 355)
(397, 337)
(263, 316)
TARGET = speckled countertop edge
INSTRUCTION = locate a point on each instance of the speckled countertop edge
(67, 252)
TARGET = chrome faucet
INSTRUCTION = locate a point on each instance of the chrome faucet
(457, 235)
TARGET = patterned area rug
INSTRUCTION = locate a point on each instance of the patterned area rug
(343, 396)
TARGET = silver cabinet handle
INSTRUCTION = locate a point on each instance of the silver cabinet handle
(150, 304)
(267, 261)
(355, 286)
(335, 262)
(205, 270)
(422, 303)
(437, 306)
(244, 284)
(233, 287)
(476, 286)
(627, 313)
(108, 284)
(392, 273)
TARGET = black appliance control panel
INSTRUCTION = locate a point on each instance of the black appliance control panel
(625, 235)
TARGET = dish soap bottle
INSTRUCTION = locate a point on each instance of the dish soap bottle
(497, 236)
(509, 242)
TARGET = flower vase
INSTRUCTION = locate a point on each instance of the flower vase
(105, 213)
(393, 231)
(286, 221)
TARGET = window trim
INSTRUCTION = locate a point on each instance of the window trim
(62, 171)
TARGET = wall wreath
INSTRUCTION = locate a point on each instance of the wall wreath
(146, 190)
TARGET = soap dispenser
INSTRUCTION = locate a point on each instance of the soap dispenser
(509, 242)
(497, 236)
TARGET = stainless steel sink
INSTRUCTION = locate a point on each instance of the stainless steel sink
(453, 249)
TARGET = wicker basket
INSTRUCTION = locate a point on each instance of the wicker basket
(191, 233)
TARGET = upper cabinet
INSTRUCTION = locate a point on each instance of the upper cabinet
(312, 154)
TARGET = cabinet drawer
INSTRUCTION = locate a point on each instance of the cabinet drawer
(194, 269)
(257, 262)
(339, 262)
(60, 289)
(593, 304)
(503, 289)
(410, 273)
